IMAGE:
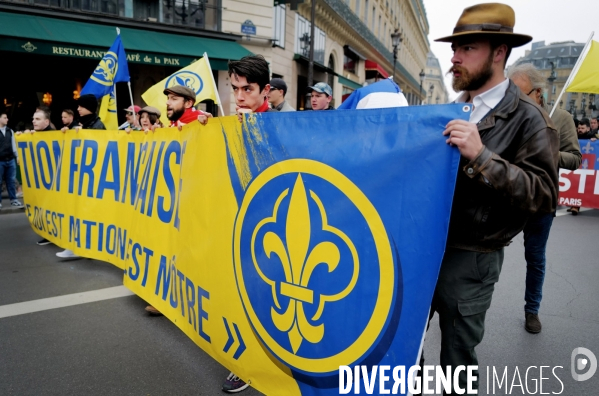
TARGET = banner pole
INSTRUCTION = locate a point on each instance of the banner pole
(214, 84)
(573, 72)
(130, 97)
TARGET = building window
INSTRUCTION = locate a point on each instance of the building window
(373, 12)
(279, 25)
(146, 10)
(366, 12)
(350, 61)
(302, 39)
(204, 14)
(553, 89)
(379, 27)
(358, 8)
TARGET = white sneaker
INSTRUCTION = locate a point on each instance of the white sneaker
(16, 204)
(67, 254)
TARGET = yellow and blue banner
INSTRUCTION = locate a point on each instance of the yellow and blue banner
(113, 68)
(285, 246)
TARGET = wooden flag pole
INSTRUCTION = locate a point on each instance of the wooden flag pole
(214, 85)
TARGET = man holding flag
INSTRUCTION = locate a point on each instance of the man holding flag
(112, 68)
(184, 89)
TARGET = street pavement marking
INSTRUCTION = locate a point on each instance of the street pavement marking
(63, 301)
(563, 212)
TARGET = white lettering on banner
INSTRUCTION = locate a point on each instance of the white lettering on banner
(565, 183)
(583, 178)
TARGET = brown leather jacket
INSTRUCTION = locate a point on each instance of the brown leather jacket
(513, 177)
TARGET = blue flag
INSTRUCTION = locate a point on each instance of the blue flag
(112, 69)
(341, 229)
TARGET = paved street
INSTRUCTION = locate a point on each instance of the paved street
(111, 347)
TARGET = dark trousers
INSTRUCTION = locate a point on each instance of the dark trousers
(462, 296)
(536, 234)
(8, 170)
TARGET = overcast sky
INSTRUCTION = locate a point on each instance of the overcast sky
(544, 20)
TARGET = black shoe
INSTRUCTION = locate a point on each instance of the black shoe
(43, 242)
(234, 384)
(533, 324)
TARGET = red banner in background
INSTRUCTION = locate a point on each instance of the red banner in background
(581, 187)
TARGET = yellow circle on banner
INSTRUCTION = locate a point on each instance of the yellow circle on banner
(386, 282)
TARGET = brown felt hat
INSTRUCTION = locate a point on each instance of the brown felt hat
(180, 90)
(488, 19)
(150, 110)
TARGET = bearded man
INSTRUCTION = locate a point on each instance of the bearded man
(179, 105)
(509, 157)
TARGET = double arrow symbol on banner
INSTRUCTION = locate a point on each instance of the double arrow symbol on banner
(231, 340)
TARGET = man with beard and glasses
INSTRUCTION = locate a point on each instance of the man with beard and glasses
(536, 232)
(508, 172)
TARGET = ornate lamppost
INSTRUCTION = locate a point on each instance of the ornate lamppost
(421, 75)
(431, 89)
(551, 79)
(396, 40)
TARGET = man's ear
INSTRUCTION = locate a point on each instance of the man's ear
(266, 89)
(188, 104)
(500, 54)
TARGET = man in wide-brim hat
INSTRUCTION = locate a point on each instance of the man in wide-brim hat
(509, 156)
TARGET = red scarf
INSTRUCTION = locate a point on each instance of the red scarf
(190, 115)
(263, 108)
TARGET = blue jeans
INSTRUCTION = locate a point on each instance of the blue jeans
(8, 173)
(536, 234)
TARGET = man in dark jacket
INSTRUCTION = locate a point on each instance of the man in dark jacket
(584, 130)
(508, 172)
(8, 160)
(41, 121)
(536, 232)
(88, 104)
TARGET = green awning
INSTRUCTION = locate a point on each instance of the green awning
(348, 83)
(50, 36)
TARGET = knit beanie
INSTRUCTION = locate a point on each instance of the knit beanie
(89, 102)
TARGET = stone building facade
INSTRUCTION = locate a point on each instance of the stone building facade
(433, 86)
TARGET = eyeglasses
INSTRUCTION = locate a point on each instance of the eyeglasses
(531, 91)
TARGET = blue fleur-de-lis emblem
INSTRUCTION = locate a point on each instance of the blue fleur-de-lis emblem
(314, 266)
(106, 70)
(299, 263)
(187, 79)
(588, 148)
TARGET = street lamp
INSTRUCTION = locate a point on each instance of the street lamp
(551, 79)
(305, 44)
(395, 42)
(582, 105)
(421, 81)
(431, 89)
(572, 108)
(438, 98)
(592, 106)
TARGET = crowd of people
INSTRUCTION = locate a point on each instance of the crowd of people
(507, 183)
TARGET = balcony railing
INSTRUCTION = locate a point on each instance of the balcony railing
(202, 14)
